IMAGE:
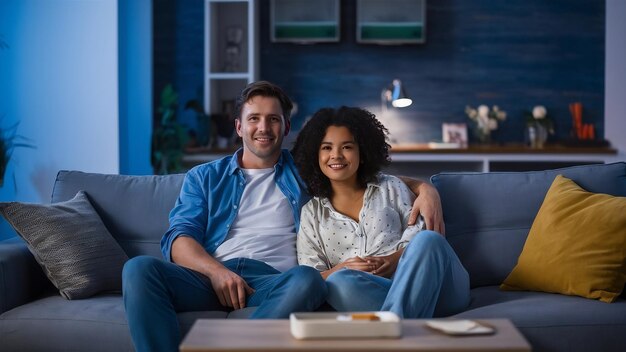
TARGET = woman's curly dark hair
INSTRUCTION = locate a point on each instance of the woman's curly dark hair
(368, 132)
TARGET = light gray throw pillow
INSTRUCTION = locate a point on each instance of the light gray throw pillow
(72, 245)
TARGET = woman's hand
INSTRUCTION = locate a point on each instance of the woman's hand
(355, 263)
(385, 265)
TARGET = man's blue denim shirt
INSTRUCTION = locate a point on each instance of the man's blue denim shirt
(210, 196)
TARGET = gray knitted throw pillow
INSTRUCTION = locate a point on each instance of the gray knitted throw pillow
(72, 245)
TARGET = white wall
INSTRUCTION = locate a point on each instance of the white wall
(615, 76)
(59, 79)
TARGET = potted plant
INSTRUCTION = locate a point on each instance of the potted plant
(485, 120)
(169, 136)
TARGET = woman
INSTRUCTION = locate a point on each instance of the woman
(355, 230)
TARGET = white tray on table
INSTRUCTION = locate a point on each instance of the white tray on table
(345, 325)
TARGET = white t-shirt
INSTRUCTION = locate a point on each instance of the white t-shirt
(264, 228)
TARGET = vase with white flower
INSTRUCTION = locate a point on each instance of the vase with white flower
(485, 120)
(539, 125)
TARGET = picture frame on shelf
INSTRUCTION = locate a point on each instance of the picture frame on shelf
(454, 134)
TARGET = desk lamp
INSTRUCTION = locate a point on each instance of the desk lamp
(395, 94)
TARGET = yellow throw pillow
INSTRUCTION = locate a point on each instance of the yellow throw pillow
(576, 246)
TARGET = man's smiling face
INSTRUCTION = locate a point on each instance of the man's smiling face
(262, 128)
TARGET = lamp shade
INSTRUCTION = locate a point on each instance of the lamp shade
(399, 99)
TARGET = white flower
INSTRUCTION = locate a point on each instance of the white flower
(486, 119)
(539, 112)
(483, 110)
(471, 112)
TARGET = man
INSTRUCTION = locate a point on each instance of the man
(231, 240)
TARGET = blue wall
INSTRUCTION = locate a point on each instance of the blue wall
(77, 76)
(59, 80)
(135, 86)
(515, 54)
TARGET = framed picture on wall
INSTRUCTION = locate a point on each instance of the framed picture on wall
(454, 133)
(303, 21)
(391, 22)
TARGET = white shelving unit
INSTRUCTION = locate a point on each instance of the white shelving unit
(229, 49)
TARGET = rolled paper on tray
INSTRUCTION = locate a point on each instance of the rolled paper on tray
(364, 316)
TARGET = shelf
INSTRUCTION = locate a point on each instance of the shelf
(402, 31)
(316, 31)
(503, 149)
(228, 75)
(420, 161)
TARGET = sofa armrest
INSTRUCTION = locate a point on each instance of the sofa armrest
(21, 277)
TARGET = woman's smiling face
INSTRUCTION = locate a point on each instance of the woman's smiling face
(339, 155)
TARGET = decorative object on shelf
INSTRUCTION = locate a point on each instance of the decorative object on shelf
(485, 120)
(454, 134)
(205, 129)
(225, 125)
(394, 94)
(539, 125)
(581, 131)
(232, 52)
(169, 136)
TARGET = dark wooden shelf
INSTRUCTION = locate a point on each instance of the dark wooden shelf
(504, 149)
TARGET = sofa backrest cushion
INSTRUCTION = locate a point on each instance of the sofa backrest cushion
(488, 215)
(135, 209)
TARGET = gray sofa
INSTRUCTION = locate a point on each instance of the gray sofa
(488, 217)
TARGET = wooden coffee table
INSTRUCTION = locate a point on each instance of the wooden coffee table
(235, 335)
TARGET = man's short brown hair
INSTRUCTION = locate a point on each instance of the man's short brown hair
(264, 89)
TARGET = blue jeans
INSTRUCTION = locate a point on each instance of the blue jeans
(429, 281)
(155, 290)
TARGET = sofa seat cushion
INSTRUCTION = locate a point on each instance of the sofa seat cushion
(93, 324)
(54, 323)
(553, 321)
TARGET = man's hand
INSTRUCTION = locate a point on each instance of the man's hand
(230, 288)
(385, 265)
(428, 204)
